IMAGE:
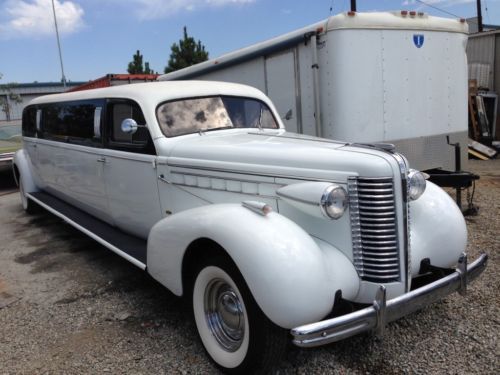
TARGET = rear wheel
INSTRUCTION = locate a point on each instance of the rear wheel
(234, 331)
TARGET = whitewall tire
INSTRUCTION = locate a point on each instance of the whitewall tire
(221, 317)
(234, 331)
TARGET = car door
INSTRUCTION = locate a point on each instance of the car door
(30, 125)
(69, 154)
(130, 170)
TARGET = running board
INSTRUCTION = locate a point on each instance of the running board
(131, 248)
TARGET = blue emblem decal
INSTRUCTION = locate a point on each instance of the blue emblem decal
(418, 40)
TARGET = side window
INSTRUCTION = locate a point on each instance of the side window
(79, 120)
(52, 124)
(73, 122)
(140, 141)
(29, 122)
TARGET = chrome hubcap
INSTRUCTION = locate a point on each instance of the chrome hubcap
(224, 314)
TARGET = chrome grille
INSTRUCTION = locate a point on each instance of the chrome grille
(374, 228)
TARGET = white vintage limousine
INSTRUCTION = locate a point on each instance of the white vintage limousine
(268, 233)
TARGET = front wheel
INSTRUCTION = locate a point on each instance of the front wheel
(234, 331)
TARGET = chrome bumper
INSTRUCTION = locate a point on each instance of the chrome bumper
(382, 311)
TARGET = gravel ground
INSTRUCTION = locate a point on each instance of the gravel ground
(67, 305)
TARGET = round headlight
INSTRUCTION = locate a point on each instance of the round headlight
(334, 202)
(416, 184)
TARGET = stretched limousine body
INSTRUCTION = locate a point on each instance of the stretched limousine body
(267, 232)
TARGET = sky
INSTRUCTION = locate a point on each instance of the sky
(100, 36)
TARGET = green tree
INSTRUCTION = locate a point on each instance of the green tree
(136, 66)
(188, 52)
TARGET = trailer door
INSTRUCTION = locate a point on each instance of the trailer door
(282, 87)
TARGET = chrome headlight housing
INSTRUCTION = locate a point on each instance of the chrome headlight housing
(416, 184)
(334, 201)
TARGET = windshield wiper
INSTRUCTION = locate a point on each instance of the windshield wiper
(202, 131)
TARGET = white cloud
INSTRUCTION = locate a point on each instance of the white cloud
(151, 9)
(34, 18)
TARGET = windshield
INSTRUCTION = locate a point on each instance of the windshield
(188, 116)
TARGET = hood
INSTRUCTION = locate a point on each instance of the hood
(279, 154)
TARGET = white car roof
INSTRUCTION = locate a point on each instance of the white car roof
(152, 93)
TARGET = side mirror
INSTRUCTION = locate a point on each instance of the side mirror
(129, 126)
(288, 115)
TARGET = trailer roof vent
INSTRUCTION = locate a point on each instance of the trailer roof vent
(404, 13)
(351, 13)
(413, 13)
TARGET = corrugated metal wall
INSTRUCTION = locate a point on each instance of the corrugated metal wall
(496, 86)
(481, 50)
(485, 49)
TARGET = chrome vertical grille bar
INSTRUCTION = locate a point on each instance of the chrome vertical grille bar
(374, 228)
(354, 207)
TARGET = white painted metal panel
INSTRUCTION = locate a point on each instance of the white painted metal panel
(281, 87)
(73, 173)
(247, 73)
(351, 87)
(306, 88)
(425, 89)
(383, 88)
(132, 191)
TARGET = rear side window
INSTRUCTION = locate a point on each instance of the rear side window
(29, 121)
(73, 122)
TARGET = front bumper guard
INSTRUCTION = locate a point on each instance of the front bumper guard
(382, 311)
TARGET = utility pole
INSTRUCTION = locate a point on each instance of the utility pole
(353, 5)
(59, 45)
(479, 17)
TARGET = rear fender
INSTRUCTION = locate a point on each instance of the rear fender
(23, 169)
(290, 275)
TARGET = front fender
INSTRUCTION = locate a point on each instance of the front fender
(287, 272)
(437, 231)
(22, 162)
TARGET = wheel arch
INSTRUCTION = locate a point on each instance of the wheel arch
(282, 265)
(22, 164)
(197, 251)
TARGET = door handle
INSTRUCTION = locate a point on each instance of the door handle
(101, 160)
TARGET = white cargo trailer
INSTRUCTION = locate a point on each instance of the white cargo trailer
(397, 77)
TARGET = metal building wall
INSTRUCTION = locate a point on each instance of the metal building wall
(484, 48)
(496, 86)
(481, 49)
(27, 92)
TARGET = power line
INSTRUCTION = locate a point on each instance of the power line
(486, 10)
(439, 9)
